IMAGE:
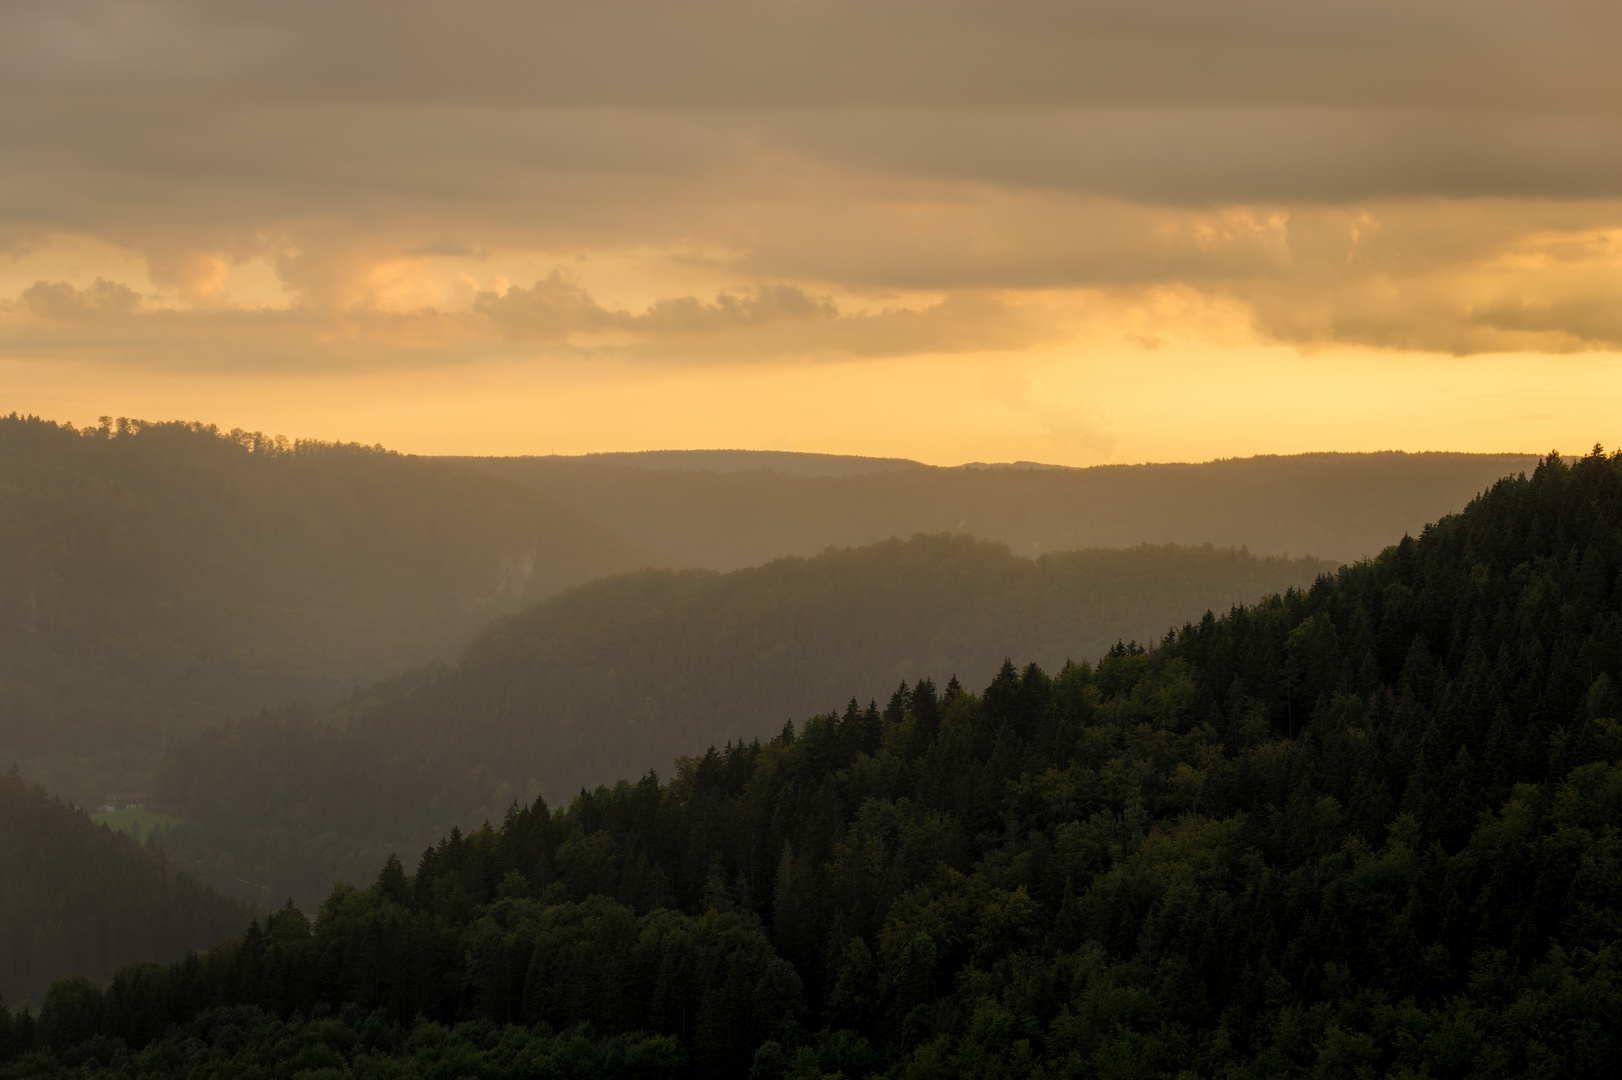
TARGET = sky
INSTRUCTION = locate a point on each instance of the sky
(1135, 230)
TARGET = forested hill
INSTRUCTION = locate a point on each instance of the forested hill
(1372, 828)
(77, 897)
(155, 578)
(622, 675)
(707, 510)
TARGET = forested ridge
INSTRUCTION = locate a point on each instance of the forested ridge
(75, 896)
(707, 509)
(1373, 827)
(625, 674)
(158, 578)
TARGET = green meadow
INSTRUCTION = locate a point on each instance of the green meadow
(136, 820)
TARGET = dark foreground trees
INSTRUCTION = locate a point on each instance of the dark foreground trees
(1372, 828)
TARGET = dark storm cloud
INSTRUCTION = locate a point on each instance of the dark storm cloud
(809, 54)
(303, 106)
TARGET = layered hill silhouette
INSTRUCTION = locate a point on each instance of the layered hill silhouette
(1366, 829)
(76, 897)
(727, 509)
(157, 578)
(623, 675)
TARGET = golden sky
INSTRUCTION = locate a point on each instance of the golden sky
(1068, 232)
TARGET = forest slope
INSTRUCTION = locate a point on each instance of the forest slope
(78, 897)
(622, 675)
(156, 578)
(713, 513)
(1372, 828)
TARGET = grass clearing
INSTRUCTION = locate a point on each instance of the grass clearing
(137, 820)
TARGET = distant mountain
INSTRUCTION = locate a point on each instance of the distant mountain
(619, 676)
(732, 461)
(157, 578)
(1336, 506)
(76, 897)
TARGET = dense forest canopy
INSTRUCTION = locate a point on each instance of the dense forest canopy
(625, 674)
(707, 512)
(75, 896)
(1373, 827)
(157, 578)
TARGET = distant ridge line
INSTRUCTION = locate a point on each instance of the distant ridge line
(798, 463)
(727, 461)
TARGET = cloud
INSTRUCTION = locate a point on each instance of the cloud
(962, 272)
(58, 301)
(780, 178)
(550, 310)
(764, 305)
(1586, 322)
(194, 113)
(1495, 277)
(830, 53)
(1207, 152)
(196, 276)
(766, 320)
(1078, 427)
(557, 306)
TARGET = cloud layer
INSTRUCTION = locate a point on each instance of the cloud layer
(311, 184)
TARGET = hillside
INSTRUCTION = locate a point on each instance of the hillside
(158, 578)
(77, 897)
(620, 676)
(732, 461)
(1373, 828)
(709, 510)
